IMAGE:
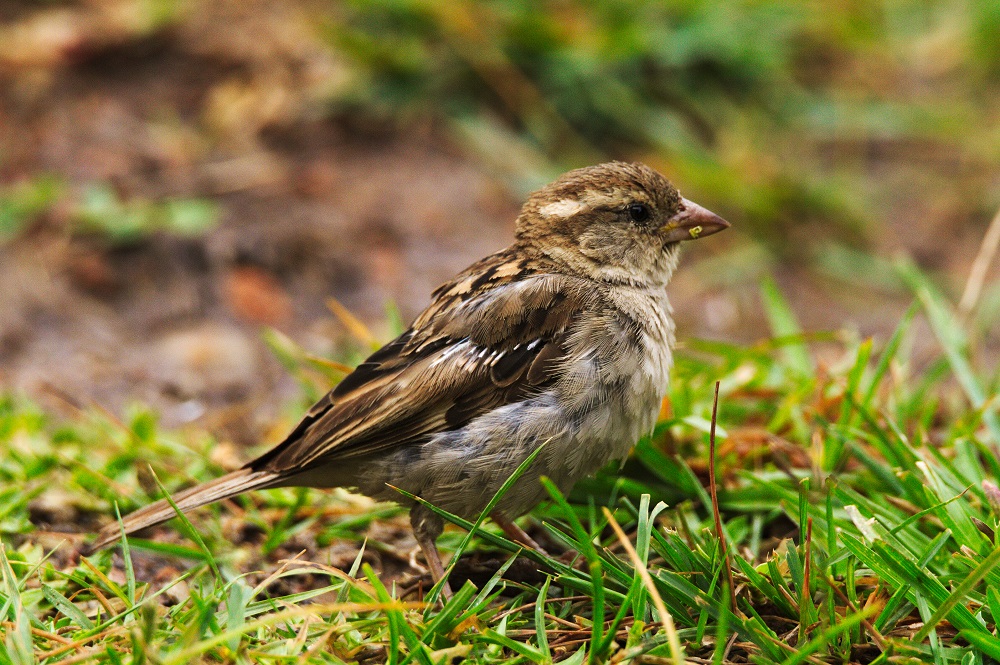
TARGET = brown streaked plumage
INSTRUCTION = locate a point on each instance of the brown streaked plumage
(564, 337)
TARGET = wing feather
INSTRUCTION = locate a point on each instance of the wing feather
(482, 350)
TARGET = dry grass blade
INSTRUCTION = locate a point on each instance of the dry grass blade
(977, 274)
(77, 644)
(665, 617)
(353, 324)
(38, 632)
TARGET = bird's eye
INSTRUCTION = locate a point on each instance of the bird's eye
(638, 212)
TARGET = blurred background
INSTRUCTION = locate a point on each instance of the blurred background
(184, 183)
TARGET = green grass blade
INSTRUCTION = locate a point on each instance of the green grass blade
(784, 324)
(960, 595)
(541, 634)
(953, 341)
(63, 604)
(804, 652)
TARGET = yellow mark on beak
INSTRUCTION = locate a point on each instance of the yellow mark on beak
(695, 231)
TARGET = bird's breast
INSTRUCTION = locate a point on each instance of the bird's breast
(617, 371)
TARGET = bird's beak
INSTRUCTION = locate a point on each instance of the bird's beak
(692, 222)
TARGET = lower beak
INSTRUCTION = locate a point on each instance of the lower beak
(692, 222)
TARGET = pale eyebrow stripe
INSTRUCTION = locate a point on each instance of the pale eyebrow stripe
(561, 208)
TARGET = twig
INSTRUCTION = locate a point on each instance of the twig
(977, 274)
(729, 646)
(713, 489)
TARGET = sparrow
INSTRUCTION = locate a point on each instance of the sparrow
(563, 338)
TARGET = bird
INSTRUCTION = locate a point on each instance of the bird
(562, 341)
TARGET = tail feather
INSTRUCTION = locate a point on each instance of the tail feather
(231, 484)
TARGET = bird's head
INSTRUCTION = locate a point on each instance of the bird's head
(615, 222)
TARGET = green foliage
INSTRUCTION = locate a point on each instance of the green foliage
(104, 213)
(22, 203)
(100, 211)
(758, 108)
(859, 504)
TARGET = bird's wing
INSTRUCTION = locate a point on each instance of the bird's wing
(487, 340)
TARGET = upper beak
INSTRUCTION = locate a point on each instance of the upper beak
(693, 222)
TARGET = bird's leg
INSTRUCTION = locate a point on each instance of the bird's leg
(430, 551)
(516, 533)
(426, 528)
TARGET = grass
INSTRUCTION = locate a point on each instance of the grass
(854, 508)
(856, 492)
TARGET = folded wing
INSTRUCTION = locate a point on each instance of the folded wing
(466, 355)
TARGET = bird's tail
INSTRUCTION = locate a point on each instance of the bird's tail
(231, 484)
